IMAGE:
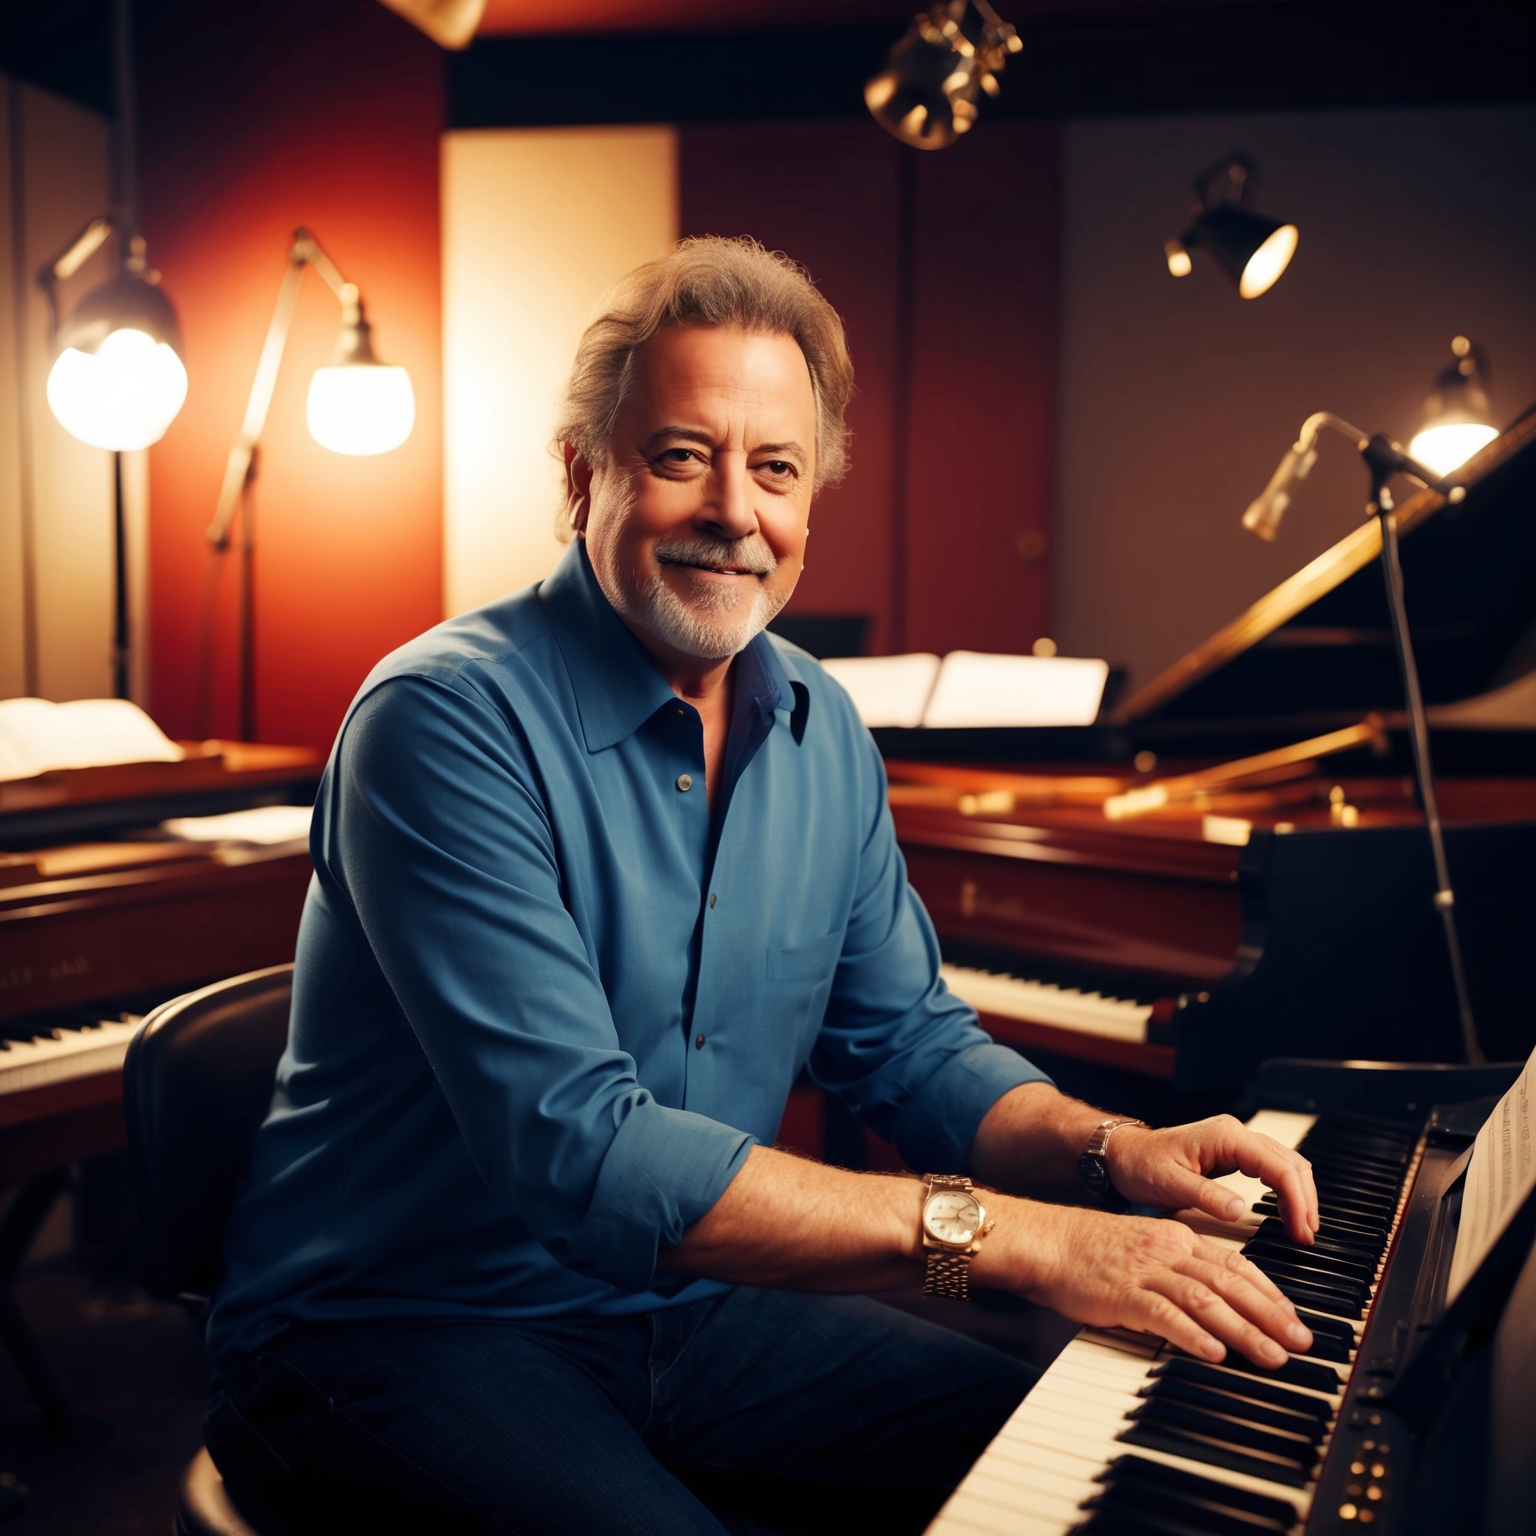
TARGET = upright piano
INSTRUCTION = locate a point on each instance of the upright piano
(100, 920)
(1232, 864)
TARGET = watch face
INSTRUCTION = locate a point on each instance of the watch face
(952, 1216)
(1095, 1172)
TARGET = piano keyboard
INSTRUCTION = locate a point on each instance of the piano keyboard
(1038, 1002)
(1126, 1436)
(51, 1048)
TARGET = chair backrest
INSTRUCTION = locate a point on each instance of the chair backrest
(196, 1085)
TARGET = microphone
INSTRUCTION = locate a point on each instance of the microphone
(1262, 518)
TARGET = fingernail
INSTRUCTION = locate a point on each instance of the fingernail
(1274, 1353)
(1213, 1349)
(1299, 1335)
(1234, 1209)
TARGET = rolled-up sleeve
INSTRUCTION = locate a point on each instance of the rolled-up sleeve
(896, 1044)
(433, 828)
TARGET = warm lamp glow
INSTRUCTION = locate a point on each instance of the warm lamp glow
(1450, 445)
(1268, 262)
(123, 395)
(361, 408)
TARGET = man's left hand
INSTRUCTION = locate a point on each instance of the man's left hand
(1176, 1169)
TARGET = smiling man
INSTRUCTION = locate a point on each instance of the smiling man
(600, 868)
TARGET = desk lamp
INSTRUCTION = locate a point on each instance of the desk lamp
(1252, 248)
(1384, 459)
(927, 94)
(357, 405)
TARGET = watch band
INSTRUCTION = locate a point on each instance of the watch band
(948, 1270)
(1094, 1162)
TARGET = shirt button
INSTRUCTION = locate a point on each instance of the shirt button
(685, 782)
(698, 1042)
(713, 898)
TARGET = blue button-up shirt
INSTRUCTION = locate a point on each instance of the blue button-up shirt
(545, 1002)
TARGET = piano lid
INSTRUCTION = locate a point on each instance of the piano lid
(1318, 651)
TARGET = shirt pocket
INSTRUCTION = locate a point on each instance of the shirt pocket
(806, 962)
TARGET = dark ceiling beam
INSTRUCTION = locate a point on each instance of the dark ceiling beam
(1260, 56)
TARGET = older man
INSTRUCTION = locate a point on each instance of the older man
(599, 869)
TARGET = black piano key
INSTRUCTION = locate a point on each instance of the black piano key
(1330, 1302)
(1329, 1327)
(1281, 1511)
(1128, 1507)
(1170, 1389)
(1312, 1275)
(1357, 1269)
(1273, 1231)
(1336, 1224)
(1228, 1430)
(1299, 1373)
(1176, 1442)
(1198, 1512)
(1126, 1520)
(1180, 1368)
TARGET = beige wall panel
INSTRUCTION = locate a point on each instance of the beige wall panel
(65, 162)
(13, 642)
(537, 225)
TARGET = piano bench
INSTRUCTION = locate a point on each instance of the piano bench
(205, 1507)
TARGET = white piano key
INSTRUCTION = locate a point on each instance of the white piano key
(77, 1053)
(1038, 1002)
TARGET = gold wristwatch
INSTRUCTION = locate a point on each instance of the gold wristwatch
(953, 1219)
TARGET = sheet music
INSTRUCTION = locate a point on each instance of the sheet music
(1499, 1178)
(39, 736)
(976, 689)
(887, 690)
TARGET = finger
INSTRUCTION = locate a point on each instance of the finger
(1215, 1253)
(1309, 1184)
(1280, 1168)
(1206, 1306)
(1151, 1312)
(1250, 1293)
(1219, 1201)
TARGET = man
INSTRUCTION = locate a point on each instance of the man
(599, 868)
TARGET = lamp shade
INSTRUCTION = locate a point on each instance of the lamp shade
(360, 408)
(119, 380)
(1254, 249)
(1457, 415)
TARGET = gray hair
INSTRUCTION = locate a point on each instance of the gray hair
(707, 281)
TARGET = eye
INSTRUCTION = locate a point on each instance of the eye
(780, 469)
(676, 455)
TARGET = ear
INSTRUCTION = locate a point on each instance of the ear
(578, 488)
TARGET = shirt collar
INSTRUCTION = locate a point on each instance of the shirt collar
(617, 685)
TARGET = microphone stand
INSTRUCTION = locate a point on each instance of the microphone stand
(1384, 459)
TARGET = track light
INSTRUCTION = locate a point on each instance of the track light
(1254, 249)
(1457, 414)
(928, 92)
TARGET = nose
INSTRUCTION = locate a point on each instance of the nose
(728, 509)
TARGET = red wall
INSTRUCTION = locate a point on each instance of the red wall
(943, 266)
(260, 115)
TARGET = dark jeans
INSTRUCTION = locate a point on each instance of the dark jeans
(756, 1409)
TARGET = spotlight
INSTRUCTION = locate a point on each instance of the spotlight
(1456, 414)
(927, 93)
(1254, 249)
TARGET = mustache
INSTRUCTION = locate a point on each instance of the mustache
(750, 554)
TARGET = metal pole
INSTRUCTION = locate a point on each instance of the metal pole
(1418, 735)
(120, 637)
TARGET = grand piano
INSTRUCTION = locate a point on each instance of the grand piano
(1231, 865)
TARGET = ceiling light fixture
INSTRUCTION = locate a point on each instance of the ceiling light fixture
(1253, 248)
(929, 91)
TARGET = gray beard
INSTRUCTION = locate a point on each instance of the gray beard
(716, 623)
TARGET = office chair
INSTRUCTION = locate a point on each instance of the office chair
(196, 1085)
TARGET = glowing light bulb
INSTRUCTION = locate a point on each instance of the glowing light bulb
(123, 395)
(1268, 262)
(1449, 445)
(360, 408)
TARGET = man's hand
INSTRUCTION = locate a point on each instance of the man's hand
(1175, 1169)
(1152, 1276)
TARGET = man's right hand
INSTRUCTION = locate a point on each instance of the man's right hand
(1130, 1272)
